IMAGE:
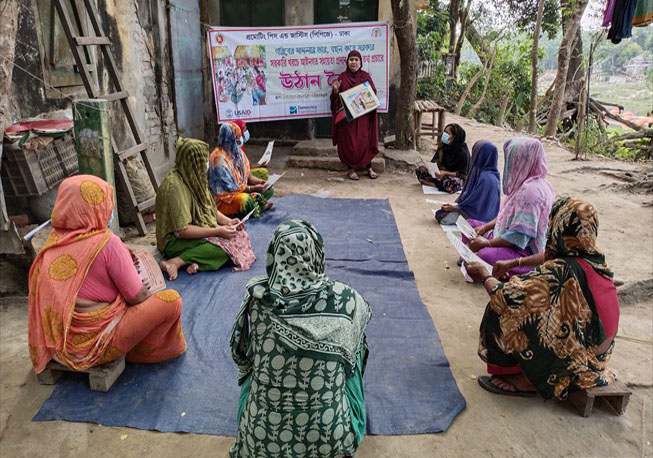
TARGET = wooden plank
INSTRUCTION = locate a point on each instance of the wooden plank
(146, 205)
(92, 41)
(133, 151)
(115, 96)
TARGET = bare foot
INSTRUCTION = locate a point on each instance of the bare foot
(192, 269)
(510, 382)
(170, 268)
(268, 206)
(351, 174)
(371, 173)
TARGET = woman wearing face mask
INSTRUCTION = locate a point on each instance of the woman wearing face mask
(453, 162)
(357, 140)
(235, 190)
(258, 171)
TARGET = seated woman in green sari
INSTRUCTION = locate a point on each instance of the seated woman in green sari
(299, 343)
(189, 229)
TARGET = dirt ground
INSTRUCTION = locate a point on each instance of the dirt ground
(490, 425)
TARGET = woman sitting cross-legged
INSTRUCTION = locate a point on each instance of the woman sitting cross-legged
(520, 228)
(452, 158)
(235, 190)
(480, 198)
(87, 305)
(552, 330)
(299, 343)
(259, 171)
(189, 230)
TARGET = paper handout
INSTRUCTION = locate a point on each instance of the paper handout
(465, 227)
(272, 180)
(149, 271)
(432, 190)
(465, 253)
(246, 217)
(438, 202)
(432, 168)
(267, 155)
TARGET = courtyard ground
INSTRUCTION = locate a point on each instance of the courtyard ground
(491, 425)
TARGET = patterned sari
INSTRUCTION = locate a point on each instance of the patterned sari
(147, 332)
(299, 343)
(556, 323)
(228, 173)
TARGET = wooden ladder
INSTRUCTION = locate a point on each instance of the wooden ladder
(78, 45)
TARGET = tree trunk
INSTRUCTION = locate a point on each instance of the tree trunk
(468, 88)
(453, 22)
(580, 125)
(474, 109)
(407, 44)
(464, 20)
(534, 59)
(564, 54)
(504, 109)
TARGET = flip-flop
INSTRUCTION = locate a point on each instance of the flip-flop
(352, 175)
(487, 384)
(372, 174)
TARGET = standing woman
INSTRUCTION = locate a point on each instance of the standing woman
(357, 140)
(453, 162)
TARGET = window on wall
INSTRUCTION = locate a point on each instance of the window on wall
(59, 68)
(252, 12)
(334, 11)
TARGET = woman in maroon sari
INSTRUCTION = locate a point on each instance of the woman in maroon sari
(357, 140)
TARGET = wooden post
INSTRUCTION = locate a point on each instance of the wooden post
(93, 144)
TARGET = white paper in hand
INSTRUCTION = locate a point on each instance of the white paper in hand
(465, 253)
(432, 167)
(272, 180)
(247, 216)
(437, 202)
(267, 155)
(465, 227)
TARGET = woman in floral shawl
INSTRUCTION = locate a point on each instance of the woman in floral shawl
(87, 306)
(520, 228)
(299, 343)
(189, 230)
(236, 192)
(552, 330)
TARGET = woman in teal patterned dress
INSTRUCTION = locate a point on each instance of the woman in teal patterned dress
(299, 343)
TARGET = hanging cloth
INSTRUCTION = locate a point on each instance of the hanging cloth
(643, 13)
(622, 21)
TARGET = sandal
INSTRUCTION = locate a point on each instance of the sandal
(488, 385)
(372, 174)
(352, 175)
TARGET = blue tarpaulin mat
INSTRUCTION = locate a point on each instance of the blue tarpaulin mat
(409, 388)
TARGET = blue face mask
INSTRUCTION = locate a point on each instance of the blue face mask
(111, 219)
(445, 138)
(240, 142)
(246, 136)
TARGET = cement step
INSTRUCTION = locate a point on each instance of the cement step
(319, 147)
(329, 163)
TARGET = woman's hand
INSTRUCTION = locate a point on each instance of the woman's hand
(478, 243)
(226, 232)
(234, 222)
(448, 208)
(501, 268)
(258, 188)
(336, 86)
(480, 230)
(476, 271)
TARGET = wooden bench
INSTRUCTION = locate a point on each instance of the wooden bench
(101, 378)
(616, 395)
(428, 106)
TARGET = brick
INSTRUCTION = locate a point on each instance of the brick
(20, 220)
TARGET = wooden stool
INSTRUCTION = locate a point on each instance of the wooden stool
(427, 106)
(616, 394)
(101, 378)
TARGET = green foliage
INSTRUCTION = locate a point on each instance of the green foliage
(649, 79)
(432, 29)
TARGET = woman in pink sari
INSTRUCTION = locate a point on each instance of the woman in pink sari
(519, 230)
(87, 305)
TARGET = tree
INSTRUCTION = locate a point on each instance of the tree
(405, 32)
(534, 57)
(575, 13)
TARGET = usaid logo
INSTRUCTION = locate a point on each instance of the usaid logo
(293, 110)
(243, 112)
(230, 112)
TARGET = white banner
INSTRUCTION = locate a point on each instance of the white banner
(268, 73)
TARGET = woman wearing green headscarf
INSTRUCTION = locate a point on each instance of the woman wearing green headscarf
(299, 343)
(186, 215)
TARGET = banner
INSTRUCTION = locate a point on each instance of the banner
(271, 73)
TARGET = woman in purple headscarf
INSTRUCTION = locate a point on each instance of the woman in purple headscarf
(357, 140)
(520, 228)
(480, 198)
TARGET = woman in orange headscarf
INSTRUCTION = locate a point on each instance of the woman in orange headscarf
(87, 305)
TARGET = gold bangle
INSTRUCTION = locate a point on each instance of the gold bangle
(519, 262)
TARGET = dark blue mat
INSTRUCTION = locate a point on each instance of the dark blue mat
(409, 388)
